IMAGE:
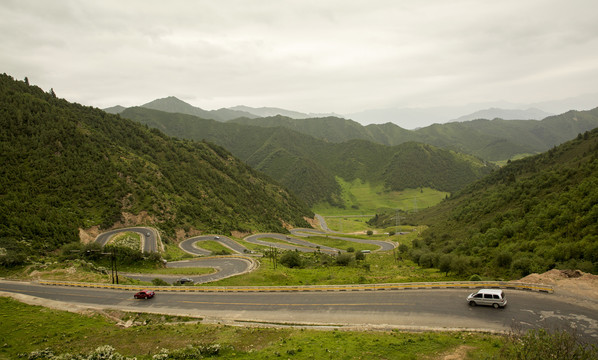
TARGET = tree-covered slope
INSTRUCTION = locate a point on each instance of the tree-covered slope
(309, 166)
(491, 140)
(532, 215)
(66, 167)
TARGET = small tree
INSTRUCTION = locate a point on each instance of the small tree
(459, 265)
(291, 259)
(444, 263)
(359, 256)
(344, 259)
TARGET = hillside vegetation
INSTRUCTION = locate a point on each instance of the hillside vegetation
(309, 166)
(532, 215)
(66, 167)
(491, 140)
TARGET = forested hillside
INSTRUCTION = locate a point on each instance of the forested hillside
(66, 166)
(492, 140)
(309, 166)
(532, 215)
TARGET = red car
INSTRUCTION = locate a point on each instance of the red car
(144, 294)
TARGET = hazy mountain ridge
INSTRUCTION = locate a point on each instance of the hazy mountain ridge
(273, 111)
(505, 114)
(68, 167)
(492, 140)
(172, 104)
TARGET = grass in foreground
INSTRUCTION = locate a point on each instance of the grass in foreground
(28, 328)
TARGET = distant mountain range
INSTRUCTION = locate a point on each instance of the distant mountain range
(413, 118)
(172, 104)
(407, 118)
(505, 114)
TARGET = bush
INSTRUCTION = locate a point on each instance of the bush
(504, 259)
(403, 248)
(159, 282)
(359, 256)
(351, 249)
(522, 265)
(291, 259)
(475, 277)
(370, 232)
(344, 259)
(444, 264)
(543, 344)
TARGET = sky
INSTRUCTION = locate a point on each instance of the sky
(321, 56)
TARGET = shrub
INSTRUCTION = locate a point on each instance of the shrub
(444, 264)
(291, 259)
(504, 259)
(543, 344)
(370, 232)
(475, 277)
(351, 249)
(403, 248)
(344, 259)
(159, 282)
(359, 256)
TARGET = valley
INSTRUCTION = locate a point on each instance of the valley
(233, 205)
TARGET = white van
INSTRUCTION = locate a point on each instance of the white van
(490, 297)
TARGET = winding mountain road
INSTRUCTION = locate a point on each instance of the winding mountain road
(228, 266)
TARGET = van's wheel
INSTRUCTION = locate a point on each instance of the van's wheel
(495, 305)
(472, 303)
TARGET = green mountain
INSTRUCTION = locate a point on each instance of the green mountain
(309, 166)
(115, 109)
(492, 140)
(532, 215)
(173, 105)
(66, 167)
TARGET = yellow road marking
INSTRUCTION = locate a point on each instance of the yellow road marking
(330, 304)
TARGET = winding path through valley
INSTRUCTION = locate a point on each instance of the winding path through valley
(243, 260)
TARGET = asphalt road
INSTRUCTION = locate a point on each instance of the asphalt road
(300, 245)
(193, 245)
(224, 266)
(404, 309)
(150, 239)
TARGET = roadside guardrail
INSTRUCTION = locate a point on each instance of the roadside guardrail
(317, 288)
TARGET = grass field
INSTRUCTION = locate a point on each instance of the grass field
(59, 332)
(214, 246)
(363, 198)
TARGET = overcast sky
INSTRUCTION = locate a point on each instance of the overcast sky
(312, 56)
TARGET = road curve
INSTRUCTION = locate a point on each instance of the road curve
(225, 266)
(193, 246)
(149, 236)
(299, 245)
(431, 309)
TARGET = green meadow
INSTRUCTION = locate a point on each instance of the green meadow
(365, 198)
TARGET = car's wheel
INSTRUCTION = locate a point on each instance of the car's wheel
(472, 303)
(136, 297)
(495, 305)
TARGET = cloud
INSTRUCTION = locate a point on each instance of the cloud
(305, 55)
